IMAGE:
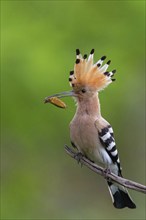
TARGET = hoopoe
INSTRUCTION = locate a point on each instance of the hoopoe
(90, 133)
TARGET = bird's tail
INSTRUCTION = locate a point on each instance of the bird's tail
(120, 196)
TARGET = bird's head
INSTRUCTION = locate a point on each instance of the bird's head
(87, 78)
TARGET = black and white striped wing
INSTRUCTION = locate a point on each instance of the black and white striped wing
(106, 137)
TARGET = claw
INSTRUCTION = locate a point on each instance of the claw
(105, 172)
(78, 156)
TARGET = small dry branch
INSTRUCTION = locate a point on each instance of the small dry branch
(101, 171)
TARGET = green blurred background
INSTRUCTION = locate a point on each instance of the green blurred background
(38, 42)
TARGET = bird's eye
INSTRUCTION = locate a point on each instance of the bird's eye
(83, 90)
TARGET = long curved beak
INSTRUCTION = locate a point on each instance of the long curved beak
(60, 95)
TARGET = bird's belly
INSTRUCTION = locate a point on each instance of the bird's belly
(85, 137)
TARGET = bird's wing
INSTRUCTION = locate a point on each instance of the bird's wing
(106, 137)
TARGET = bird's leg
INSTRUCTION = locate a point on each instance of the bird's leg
(106, 171)
(78, 156)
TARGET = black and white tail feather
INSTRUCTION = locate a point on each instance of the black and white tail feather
(119, 194)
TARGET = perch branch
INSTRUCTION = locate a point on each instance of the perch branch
(101, 171)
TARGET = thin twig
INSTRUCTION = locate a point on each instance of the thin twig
(101, 171)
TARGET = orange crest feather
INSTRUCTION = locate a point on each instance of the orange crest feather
(87, 74)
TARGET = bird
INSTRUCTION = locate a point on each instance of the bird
(90, 133)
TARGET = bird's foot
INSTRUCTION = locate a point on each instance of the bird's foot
(78, 156)
(106, 171)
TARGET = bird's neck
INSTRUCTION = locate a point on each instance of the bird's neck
(89, 106)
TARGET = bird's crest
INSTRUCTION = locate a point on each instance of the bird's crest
(88, 74)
